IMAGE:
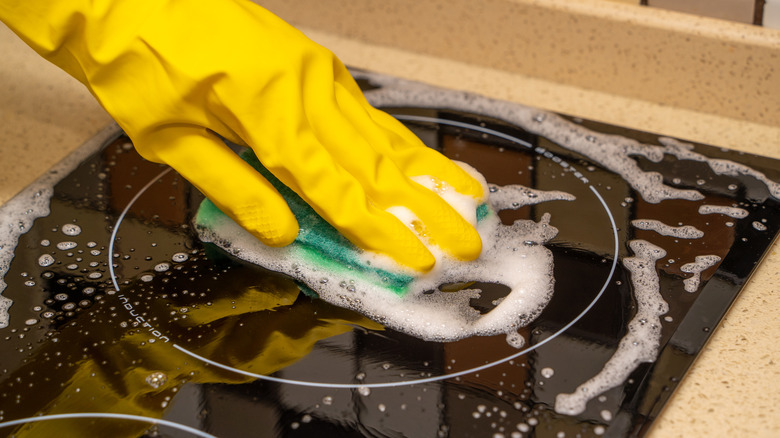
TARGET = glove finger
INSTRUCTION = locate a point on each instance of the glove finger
(395, 140)
(386, 184)
(229, 182)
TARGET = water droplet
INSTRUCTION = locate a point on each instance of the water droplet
(180, 257)
(547, 372)
(327, 400)
(162, 267)
(365, 391)
(156, 379)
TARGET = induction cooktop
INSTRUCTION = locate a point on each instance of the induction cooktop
(117, 320)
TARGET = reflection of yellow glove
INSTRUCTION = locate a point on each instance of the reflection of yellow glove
(260, 328)
(175, 75)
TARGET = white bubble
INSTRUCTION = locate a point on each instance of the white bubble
(71, 230)
(162, 267)
(327, 400)
(547, 372)
(364, 391)
(45, 260)
(180, 257)
(156, 379)
(759, 226)
(64, 246)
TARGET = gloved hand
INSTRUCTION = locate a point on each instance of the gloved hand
(177, 75)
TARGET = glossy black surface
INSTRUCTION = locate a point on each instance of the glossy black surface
(77, 343)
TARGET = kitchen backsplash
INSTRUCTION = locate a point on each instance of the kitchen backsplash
(760, 12)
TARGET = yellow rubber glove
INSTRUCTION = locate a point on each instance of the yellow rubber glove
(176, 75)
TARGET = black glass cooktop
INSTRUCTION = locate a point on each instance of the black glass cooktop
(123, 323)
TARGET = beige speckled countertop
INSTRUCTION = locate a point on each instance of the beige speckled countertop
(689, 77)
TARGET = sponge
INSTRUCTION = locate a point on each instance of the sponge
(318, 243)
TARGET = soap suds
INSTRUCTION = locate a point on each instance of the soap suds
(696, 268)
(512, 197)
(684, 151)
(642, 341)
(513, 255)
(683, 232)
(735, 212)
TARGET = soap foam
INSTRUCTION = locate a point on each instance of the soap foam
(684, 151)
(642, 341)
(702, 263)
(683, 232)
(513, 255)
(735, 212)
